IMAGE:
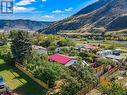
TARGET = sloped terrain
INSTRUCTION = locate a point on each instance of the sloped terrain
(118, 24)
(23, 24)
(102, 14)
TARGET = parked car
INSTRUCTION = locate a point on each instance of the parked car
(116, 53)
(4, 90)
(2, 82)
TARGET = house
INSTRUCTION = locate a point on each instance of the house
(85, 47)
(115, 55)
(79, 46)
(104, 53)
(117, 58)
(59, 49)
(39, 49)
(62, 59)
(91, 47)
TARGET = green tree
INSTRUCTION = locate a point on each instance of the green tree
(105, 61)
(45, 43)
(87, 56)
(81, 76)
(50, 72)
(70, 88)
(21, 46)
(85, 75)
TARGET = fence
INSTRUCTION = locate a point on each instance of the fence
(85, 90)
(111, 71)
(27, 72)
(104, 78)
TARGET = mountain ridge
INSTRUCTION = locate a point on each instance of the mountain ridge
(97, 17)
(23, 24)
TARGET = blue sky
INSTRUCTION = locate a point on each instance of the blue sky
(46, 10)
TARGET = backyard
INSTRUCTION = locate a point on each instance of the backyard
(20, 83)
(120, 78)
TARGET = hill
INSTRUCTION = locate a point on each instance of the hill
(22, 24)
(102, 13)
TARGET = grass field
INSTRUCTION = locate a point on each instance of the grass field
(20, 83)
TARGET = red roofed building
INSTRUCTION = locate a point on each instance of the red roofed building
(91, 47)
(64, 60)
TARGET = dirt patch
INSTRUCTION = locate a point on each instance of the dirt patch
(94, 92)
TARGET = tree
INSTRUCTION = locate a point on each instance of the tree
(87, 56)
(65, 42)
(21, 46)
(81, 76)
(84, 75)
(105, 61)
(50, 72)
(45, 43)
(13, 34)
(70, 88)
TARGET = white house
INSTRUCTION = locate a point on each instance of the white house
(104, 53)
(39, 49)
(79, 46)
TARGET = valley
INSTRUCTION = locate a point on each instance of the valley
(71, 52)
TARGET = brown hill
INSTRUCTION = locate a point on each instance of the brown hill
(102, 16)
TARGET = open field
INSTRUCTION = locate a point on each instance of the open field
(19, 82)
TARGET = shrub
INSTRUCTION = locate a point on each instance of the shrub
(105, 61)
(50, 73)
(113, 89)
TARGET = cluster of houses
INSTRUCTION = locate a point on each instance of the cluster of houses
(67, 61)
(116, 55)
(113, 54)
(59, 58)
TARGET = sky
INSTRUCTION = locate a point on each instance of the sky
(46, 10)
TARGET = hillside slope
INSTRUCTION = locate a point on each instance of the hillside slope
(118, 24)
(102, 14)
(22, 24)
(92, 7)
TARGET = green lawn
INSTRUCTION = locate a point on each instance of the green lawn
(20, 83)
